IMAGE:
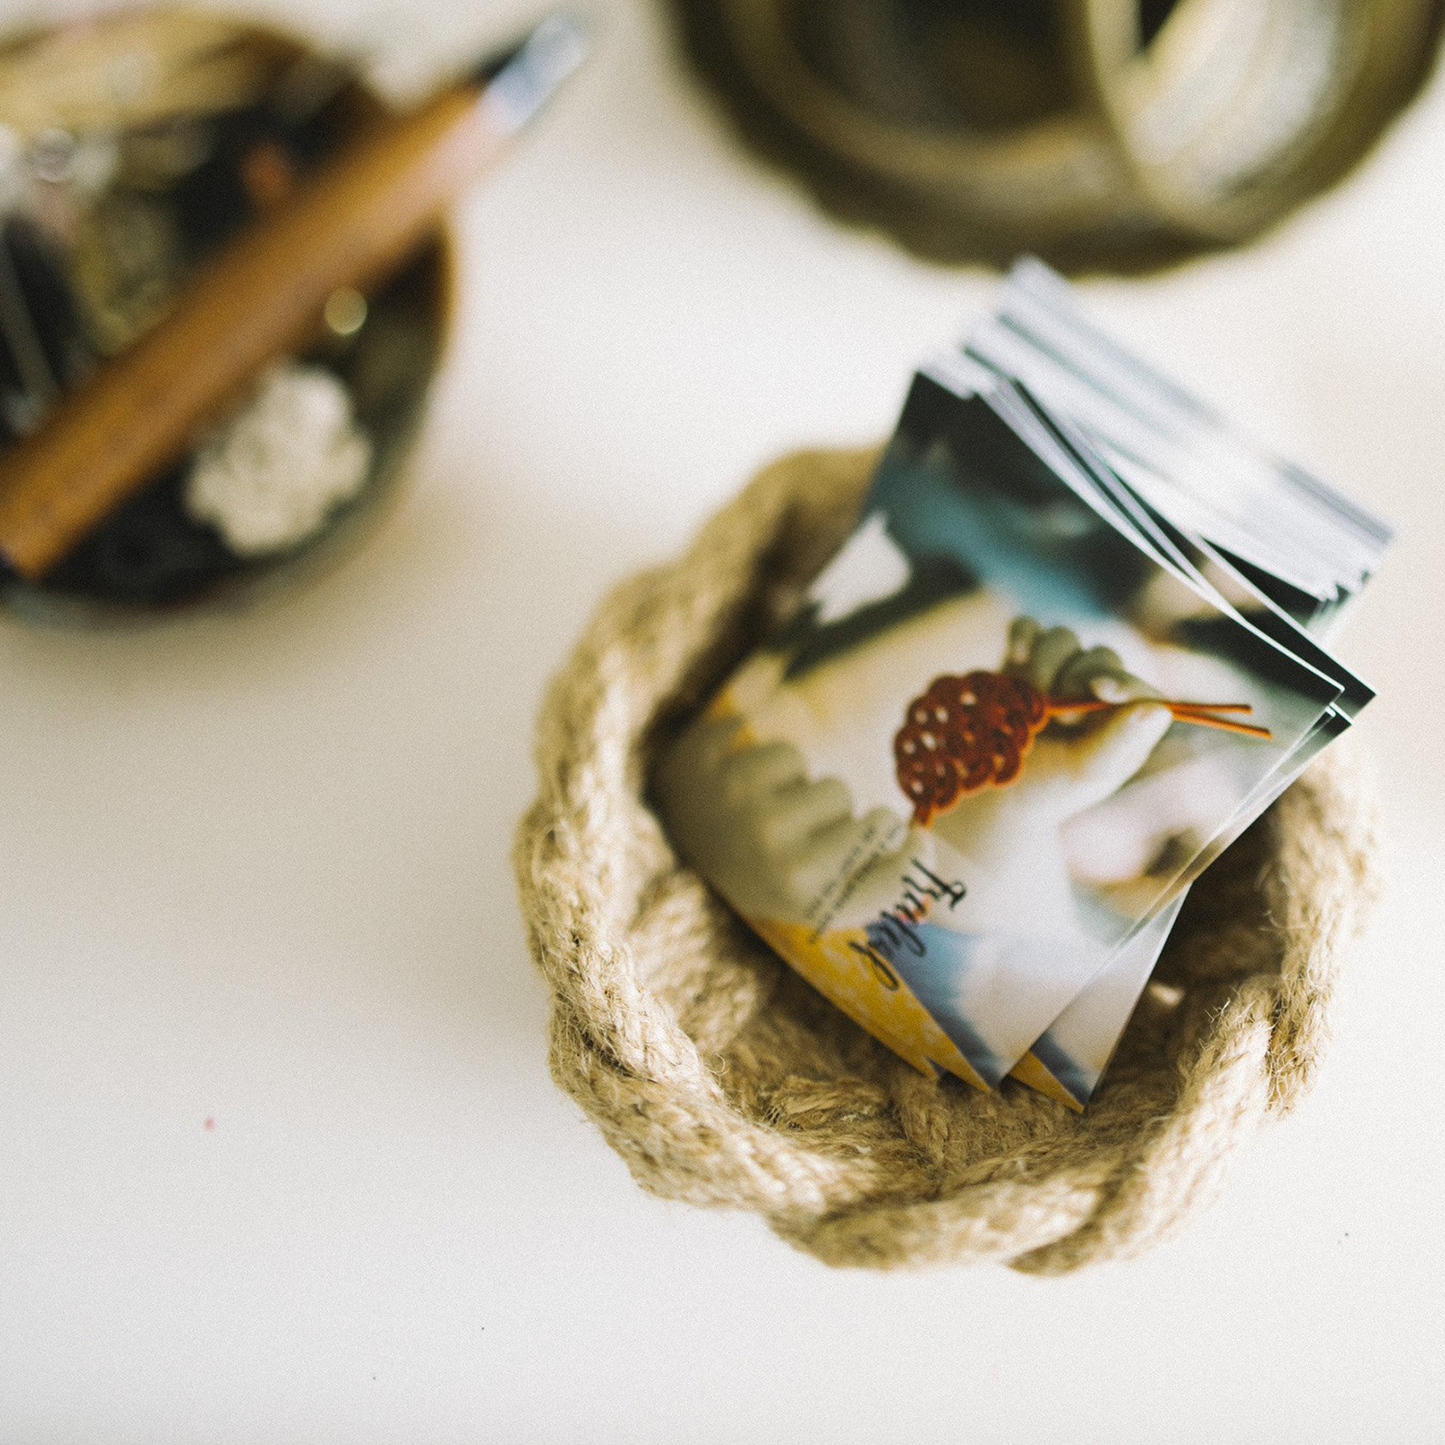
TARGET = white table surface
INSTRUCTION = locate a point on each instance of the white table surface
(256, 873)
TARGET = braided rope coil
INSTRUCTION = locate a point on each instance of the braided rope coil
(723, 1079)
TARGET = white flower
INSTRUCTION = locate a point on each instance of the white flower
(271, 475)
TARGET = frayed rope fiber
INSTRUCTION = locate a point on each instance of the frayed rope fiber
(723, 1079)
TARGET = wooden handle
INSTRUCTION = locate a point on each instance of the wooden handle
(262, 296)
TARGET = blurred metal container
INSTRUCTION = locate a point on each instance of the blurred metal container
(1111, 134)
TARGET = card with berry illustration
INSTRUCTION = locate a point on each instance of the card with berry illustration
(1040, 688)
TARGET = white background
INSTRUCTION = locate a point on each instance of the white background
(255, 870)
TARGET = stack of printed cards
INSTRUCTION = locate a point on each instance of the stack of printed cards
(1070, 652)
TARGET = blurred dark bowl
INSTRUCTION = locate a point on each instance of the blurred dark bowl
(148, 559)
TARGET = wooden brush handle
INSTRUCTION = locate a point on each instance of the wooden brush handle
(263, 296)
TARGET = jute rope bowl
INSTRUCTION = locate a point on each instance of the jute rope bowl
(1114, 135)
(723, 1079)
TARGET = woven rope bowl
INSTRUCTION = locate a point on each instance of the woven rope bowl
(723, 1079)
(1115, 135)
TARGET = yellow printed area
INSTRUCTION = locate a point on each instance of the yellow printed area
(888, 1010)
(1030, 1071)
(724, 706)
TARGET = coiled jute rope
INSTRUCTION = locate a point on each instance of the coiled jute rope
(723, 1079)
(1084, 131)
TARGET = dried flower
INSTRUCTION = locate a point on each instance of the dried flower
(269, 478)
